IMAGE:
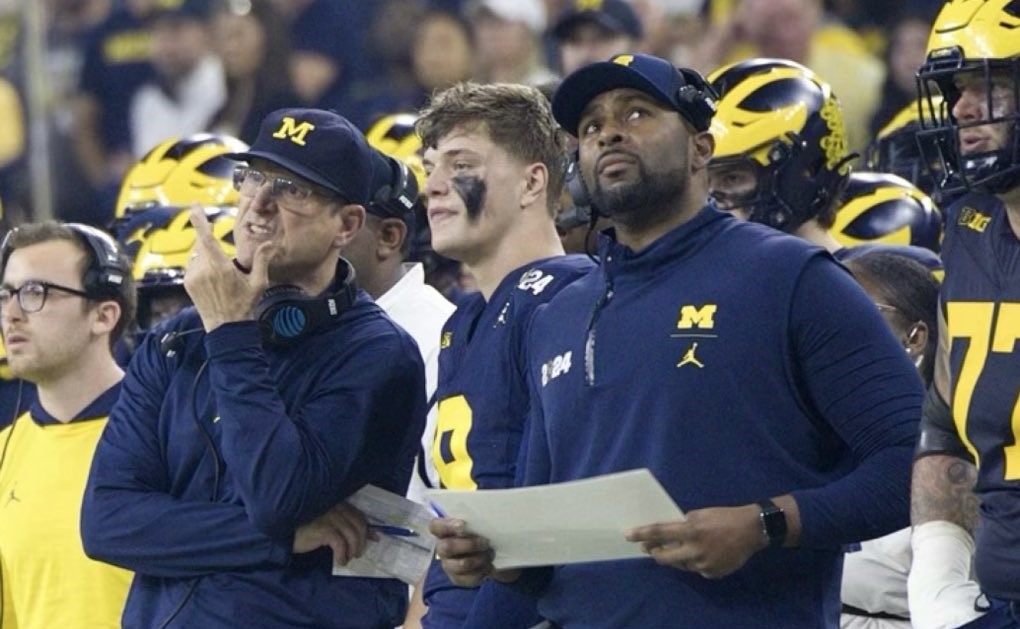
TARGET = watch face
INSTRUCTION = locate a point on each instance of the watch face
(774, 522)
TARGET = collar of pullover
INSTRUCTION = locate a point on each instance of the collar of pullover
(681, 242)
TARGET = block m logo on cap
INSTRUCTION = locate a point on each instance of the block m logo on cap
(623, 60)
(293, 130)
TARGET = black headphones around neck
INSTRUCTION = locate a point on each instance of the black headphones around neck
(106, 270)
(286, 314)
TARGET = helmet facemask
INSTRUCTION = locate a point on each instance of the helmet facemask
(781, 118)
(896, 149)
(940, 142)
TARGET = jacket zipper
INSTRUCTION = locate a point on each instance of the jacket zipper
(589, 344)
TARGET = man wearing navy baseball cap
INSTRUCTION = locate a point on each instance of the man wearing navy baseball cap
(592, 30)
(680, 89)
(248, 420)
(320, 146)
(776, 434)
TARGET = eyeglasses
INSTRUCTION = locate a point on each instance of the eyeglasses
(32, 294)
(249, 181)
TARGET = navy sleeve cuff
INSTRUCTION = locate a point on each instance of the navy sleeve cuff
(233, 336)
(281, 550)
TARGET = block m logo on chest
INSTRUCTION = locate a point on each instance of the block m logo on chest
(702, 317)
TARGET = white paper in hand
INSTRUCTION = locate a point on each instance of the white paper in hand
(571, 522)
(391, 556)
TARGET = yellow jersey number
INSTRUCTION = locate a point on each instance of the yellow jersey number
(976, 322)
(449, 448)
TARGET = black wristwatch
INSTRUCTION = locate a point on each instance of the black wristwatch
(773, 523)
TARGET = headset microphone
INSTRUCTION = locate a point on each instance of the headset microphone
(173, 342)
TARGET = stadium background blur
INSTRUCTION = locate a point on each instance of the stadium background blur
(64, 64)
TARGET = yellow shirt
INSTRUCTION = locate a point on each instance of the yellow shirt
(48, 582)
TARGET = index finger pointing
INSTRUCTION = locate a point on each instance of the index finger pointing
(205, 240)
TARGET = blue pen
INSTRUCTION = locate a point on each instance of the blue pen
(437, 510)
(396, 531)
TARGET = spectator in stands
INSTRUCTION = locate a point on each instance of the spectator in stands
(509, 50)
(907, 51)
(189, 86)
(327, 37)
(391, 86)
(116, 64)
(794, 30)
(443, 52)
(588, 32)
(70, 22)
(253, 43)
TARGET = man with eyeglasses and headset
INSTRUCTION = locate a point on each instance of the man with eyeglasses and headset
(248, 420)
(66, 298)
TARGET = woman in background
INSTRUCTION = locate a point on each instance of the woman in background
(874, 591)
(252, 40)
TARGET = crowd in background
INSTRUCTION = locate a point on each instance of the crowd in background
(122, 75)
(132, 89)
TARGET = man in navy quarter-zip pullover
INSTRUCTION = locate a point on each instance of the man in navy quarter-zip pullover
(246, 421)
(742, 366)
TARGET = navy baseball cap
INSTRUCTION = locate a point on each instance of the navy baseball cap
(200, 10)
(616, 16)
(321, 146)
(681, 89)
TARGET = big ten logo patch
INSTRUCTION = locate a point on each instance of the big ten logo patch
(972, 219)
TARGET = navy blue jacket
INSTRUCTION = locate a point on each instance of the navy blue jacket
(295, 431)
(736, 363)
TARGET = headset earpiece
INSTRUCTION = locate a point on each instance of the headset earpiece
(575, 182)
(397, 198)
(698, 99)
(107, 268)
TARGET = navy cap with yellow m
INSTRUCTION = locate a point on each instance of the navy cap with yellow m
(614, 17)
(681, 89)
(320, 146)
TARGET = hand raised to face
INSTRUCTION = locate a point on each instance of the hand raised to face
(221, 291)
